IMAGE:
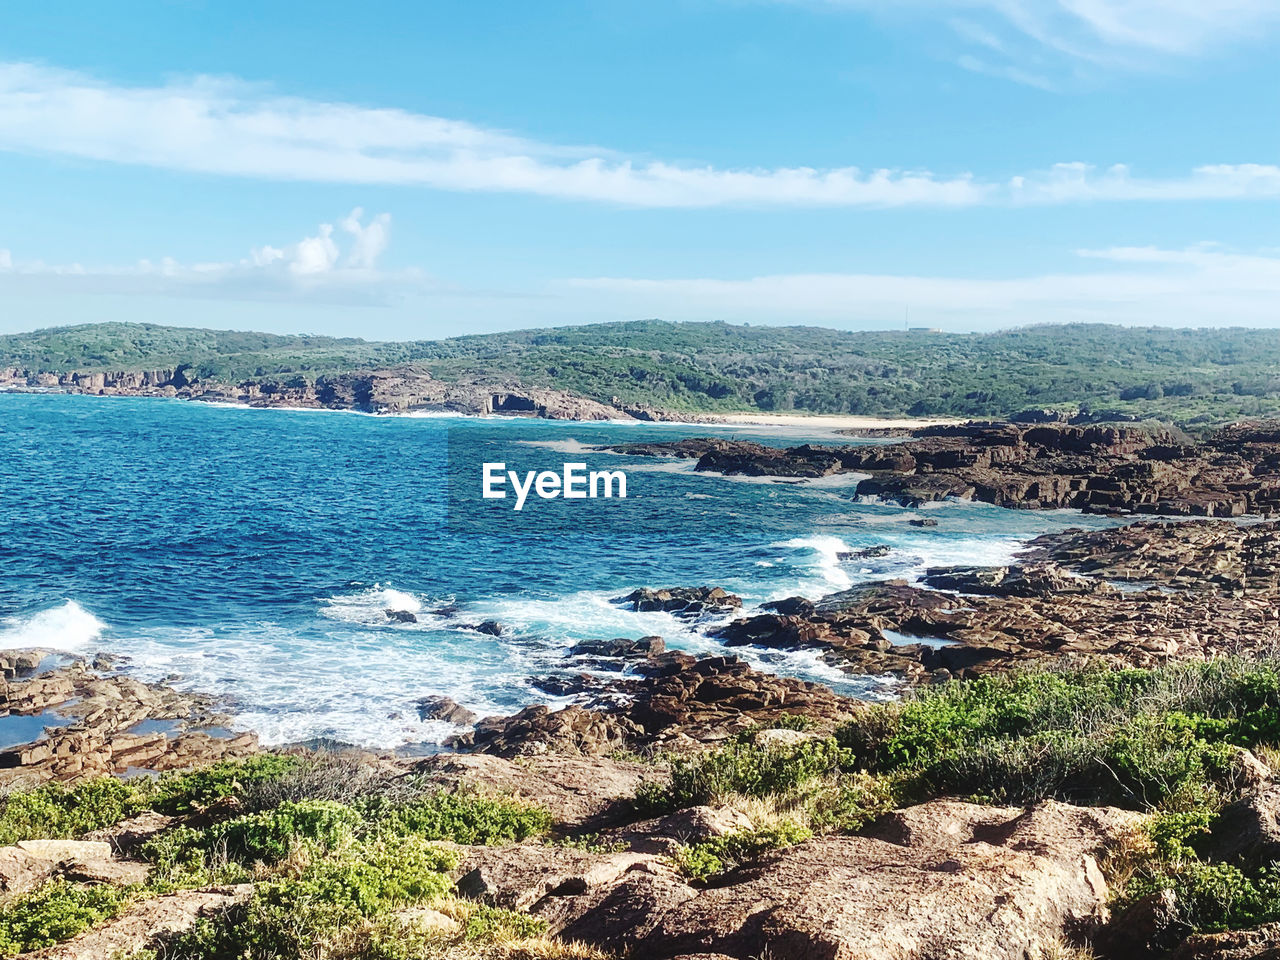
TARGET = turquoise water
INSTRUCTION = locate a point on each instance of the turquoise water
(253, 553)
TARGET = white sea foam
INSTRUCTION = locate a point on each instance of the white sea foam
(68, 627)
(562, 446)
(824, 558)
(370, 606)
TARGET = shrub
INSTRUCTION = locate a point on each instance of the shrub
(848, 802)
(704, 859)
(326, 902)
(1130, 737)
(55, 912)
(54, 811)
(184, 792)
(742, 767)
(270, 836)
(188, 857)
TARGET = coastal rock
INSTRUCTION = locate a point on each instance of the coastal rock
(447, 709)
(538, 729)
(614, 898)
(1212, 588)
(1260, 943)
(1096, 468)
(1248, 830)
(944, 879)
(580, 793)
(104, 710)
(1023, 580)
(686, 602)
(1031, 876)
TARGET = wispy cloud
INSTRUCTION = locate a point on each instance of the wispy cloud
(313, 269)
(1198, 286)
(1044, 42)
(231, 128)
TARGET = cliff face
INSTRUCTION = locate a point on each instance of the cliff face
(393, 390)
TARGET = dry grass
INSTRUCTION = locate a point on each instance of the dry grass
(1063, 950)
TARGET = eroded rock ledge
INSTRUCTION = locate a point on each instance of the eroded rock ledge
(400, 389)
(1197, 589)
(98, 724)
(1234, 472)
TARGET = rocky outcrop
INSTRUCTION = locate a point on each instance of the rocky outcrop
(1198, 555)
(142, 923)
(582, 794)
(670, 699)
(400, 389)
(101, 737)
(944, 879)
(1211, 588)
(687, 602)
(1234, 472)
(538, 729)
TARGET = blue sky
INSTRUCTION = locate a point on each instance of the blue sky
(425, 169)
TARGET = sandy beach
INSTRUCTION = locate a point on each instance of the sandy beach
(827, 422)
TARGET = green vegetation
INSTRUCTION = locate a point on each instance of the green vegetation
(1164, 741)
(329, 875)
(460, 817)
(307, 911)
(54, 912)
(1188, 376)
(701, 860)
(184, 792)
(743, 768)
(56, 812)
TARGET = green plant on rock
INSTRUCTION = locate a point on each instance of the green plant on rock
(702, 860)
(54, 811)
(743, 767)
(54, 912)
(196, 789)
(327, 902)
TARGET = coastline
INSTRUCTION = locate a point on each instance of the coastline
(837, 425)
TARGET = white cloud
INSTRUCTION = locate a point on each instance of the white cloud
(1199, 286)
(370, 239)
(315, 254)
(313, 269)
(233, 129)
(1025, 40)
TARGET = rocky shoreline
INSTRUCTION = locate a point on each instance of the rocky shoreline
(396, 390)
(1233, 472)
(1062, 715)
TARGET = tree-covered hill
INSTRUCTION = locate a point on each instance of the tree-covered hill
(1187, 375)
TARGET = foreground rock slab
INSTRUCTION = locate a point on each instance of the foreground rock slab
(944, 880)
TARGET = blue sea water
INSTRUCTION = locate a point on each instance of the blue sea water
(253, 553)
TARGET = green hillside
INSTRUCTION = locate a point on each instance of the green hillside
(1187, 375)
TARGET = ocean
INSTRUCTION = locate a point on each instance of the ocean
(253, 554)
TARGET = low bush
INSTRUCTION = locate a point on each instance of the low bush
(54, 912)
(185, 792)
(1127, 737)
(702, 860)
(465, 818)
(743, 767)
(54, 811)
(327, 902)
